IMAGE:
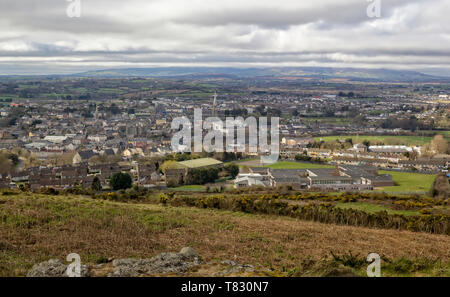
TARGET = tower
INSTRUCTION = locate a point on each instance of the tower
(96, 112)
(214, 111)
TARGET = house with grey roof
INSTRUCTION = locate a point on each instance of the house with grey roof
(83, 156)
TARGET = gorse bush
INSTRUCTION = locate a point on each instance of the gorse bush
(122, 195)
(78, 191)
(411, 204)
(350, 260)
(163, 198)
(320, 212)
(49, 191)
(402, 202)
(9, 193)
(354, 264)
(404, 265)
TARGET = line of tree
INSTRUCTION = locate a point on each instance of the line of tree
(231, 169)
(412, 124)
(201, 176)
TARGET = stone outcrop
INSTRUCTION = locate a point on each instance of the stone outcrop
(53, 268)
(186, 262)
(160, 264)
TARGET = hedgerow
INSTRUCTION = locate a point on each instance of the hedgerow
(319, 212)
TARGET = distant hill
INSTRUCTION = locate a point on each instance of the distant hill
(314, 73)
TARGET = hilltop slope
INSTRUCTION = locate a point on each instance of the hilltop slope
(319, 73)
(35, 228)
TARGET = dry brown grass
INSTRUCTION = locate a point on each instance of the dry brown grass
(34, 228)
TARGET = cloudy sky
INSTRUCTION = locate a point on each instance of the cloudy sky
(38, 36)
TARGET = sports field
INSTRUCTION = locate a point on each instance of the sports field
(192, 188)
(409, 182)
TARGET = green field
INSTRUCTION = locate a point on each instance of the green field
(446, 134)
(373, 208)
(193, 188)
(409, 182)
(388, 139)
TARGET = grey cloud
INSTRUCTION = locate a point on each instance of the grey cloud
(33, 34)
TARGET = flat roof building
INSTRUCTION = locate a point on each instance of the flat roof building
(200, 163)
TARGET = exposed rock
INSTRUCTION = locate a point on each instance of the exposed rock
(235, 268)
(228, 262)
(160, 264)
(53, 268)
(189, 253)
(186, 262)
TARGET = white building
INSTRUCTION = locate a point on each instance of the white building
(55, 139)
(251, 179)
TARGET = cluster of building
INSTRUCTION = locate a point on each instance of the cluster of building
(382, 156)
(133, 128)
(340, 178)
(70, 176)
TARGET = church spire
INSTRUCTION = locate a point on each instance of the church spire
(214, 107)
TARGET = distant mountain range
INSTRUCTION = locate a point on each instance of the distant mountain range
(300, 73)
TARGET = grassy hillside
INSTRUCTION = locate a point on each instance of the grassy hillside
(35, 227)
(359, 74)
